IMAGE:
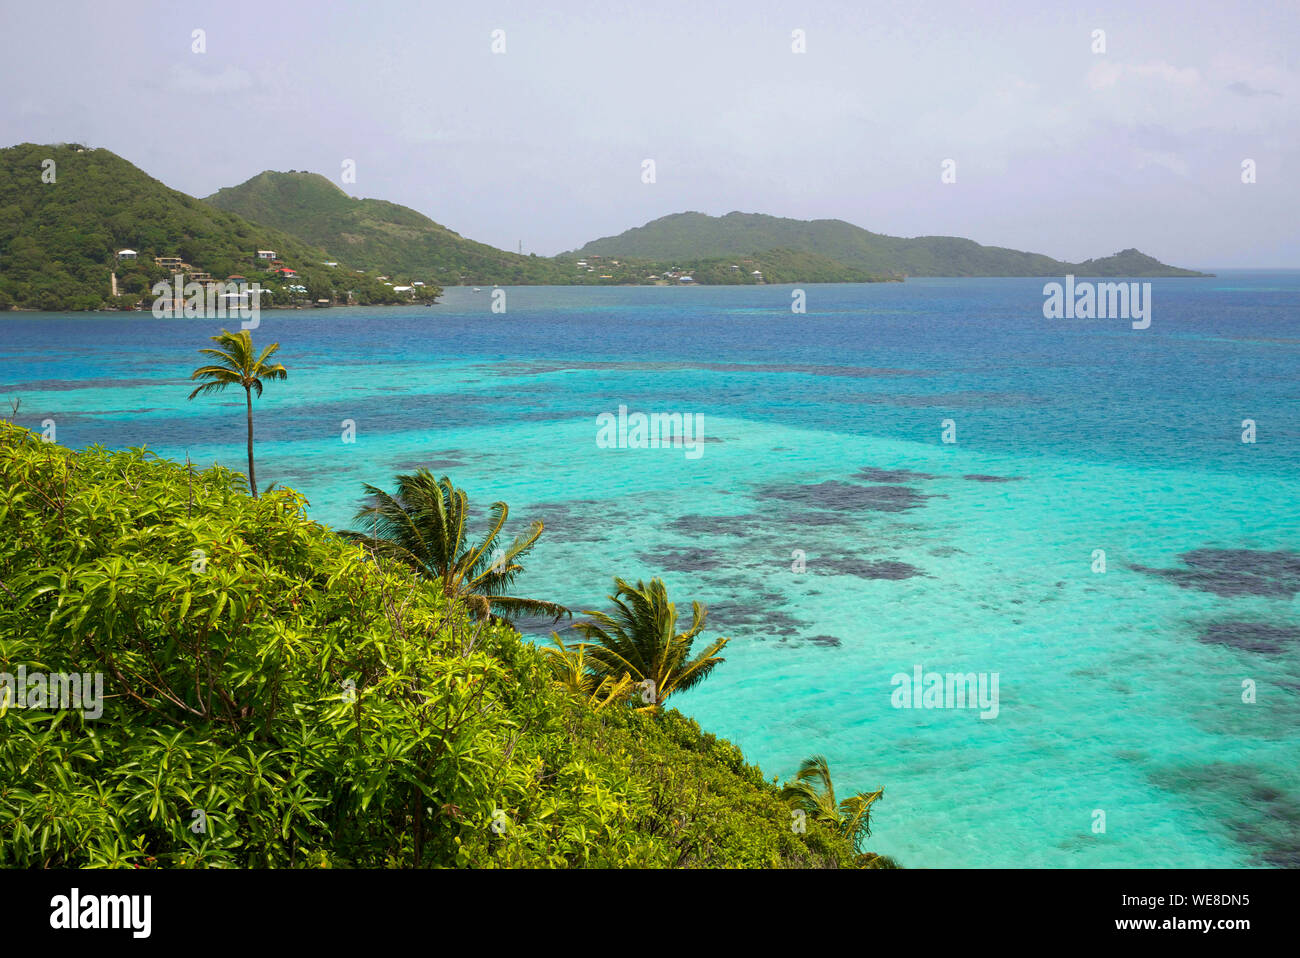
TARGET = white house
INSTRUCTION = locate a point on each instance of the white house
(126, 254)
(266, 254)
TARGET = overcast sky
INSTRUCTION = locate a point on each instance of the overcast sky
(1058, 149)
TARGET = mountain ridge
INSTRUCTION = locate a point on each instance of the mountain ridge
(682, 235)
(58, 242)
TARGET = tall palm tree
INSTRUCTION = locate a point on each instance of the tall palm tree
(236, 366)
(423, 526)
(641, 639)
(812, 792)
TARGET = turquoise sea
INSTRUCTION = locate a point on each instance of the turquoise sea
(1119, 691)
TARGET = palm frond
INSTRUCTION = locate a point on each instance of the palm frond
(423, 524)
(639, 636)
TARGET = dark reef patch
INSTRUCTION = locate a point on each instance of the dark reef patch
(433, 465)
(799, 520)
(63, 385)
(565, 521)
(864, 568)
(695, 524)
(846, 496)
(1263, 818)
(686, 560)
(950, 400)
(872, 474)
(828, 641)
(945, 551)
(1235, 572)
(545, 367)
(979, 477)
(740, 619)
(1252, 636)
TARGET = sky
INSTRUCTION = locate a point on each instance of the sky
(1057, 147)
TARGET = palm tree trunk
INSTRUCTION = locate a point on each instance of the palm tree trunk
(252, 476)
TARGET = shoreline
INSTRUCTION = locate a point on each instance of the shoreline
(436, 302)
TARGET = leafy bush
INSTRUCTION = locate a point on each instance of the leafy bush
(273, 698)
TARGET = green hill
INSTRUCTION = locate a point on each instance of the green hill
(774, 265)
(378, 234)
(697, 235)
(59, 240)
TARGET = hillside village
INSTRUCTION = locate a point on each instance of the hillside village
(637, 272)
(279, 284)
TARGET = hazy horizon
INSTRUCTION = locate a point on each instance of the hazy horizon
(1058, 149)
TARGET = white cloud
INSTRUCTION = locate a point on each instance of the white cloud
(1107, 73)
(232, 79)
(1162, 159)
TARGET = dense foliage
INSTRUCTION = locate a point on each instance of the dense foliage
(272, 697)
(59, 237)
(686, 236)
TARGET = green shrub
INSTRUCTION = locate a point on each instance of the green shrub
(231, 633)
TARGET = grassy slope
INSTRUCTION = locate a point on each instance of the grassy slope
(376, 233)
(686, 235)
(225, 685)
(58, 240)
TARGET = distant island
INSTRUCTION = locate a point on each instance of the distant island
(83, 228)
(687, 236)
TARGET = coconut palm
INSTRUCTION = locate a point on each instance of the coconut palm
(812, 792)
(571, 668)
(641, 639)
(423, 524)
(236, 366)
